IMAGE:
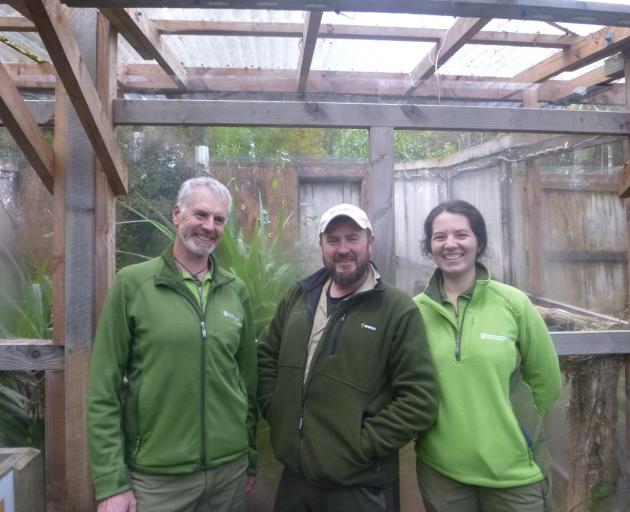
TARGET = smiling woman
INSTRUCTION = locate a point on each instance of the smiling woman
(497, 371)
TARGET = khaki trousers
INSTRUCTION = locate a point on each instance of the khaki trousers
(220, 489)
(442, 494)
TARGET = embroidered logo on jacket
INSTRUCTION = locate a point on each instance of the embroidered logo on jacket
(493, 337)
(227, 314)
(368, 326)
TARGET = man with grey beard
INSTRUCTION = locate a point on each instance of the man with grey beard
(345, 377)
(172, 386)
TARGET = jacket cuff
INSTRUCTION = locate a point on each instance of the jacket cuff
(111, 484)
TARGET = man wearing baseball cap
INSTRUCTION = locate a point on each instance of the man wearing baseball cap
(345, 377)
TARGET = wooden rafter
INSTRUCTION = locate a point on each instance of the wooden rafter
(20, 6)
(456, 37)
(52, 23)
(16, 24)
(149, 78)
(542, 10)
(23, 128)
(334, 31)
(584, 84)
(312, 22)
(138, 29)
(31, 75)
(589, 49)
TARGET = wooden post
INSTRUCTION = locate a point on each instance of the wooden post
(68, 480)
(105, 201)
(506, 221)
(533, 203)
(54, 397)
(381, 200)
(626, 155)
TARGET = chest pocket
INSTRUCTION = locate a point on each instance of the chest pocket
(354, 353)
(495, 343)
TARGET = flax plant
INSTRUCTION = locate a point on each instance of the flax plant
(26, 313)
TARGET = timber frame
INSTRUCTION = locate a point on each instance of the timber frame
(89, 91)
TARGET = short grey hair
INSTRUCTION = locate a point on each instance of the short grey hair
(214, 186)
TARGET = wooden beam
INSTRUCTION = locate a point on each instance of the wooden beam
(307, 49)
(352, 115)
(149, 78)
(542, 10)
(138, 29)
(20, 6)
(381, 200)
(589, 83)
(592, 343)
(79, 276)
(54, 29)
(606, 41)
(30, 354)
(24, 130)
(55, 390)
(456, 37)
(16, 24)
(32, 75)
(533, 210)
(104, 199)
(624, 175)
(357, 32)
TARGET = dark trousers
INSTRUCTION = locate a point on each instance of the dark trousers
(295, 494)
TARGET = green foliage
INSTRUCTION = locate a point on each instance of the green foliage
(26, 314)
(262, 262)
(159, 160)
(283, 144)
(603, 489)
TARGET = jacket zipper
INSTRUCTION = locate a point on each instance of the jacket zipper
(204, 336)
(307, 385)
(459, 332)
(336, 335)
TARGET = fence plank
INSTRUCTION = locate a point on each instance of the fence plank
(28, 354)
(583, 343)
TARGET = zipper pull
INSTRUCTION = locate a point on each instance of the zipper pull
(204, 333)
(300, 423)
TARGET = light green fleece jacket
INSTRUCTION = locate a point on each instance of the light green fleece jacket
(498, 374)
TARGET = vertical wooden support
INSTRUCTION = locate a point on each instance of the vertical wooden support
(506, 222)
(626, 158)
(68, 480)
(533, 203)
(79, 279)
(55, 401)
(381, 200)
(105, 202)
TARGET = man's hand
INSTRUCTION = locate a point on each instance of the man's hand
(123, 502)
(249, 484)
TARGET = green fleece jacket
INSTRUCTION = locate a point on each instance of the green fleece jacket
(172, 387)
(498, 374)
(370, 387)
